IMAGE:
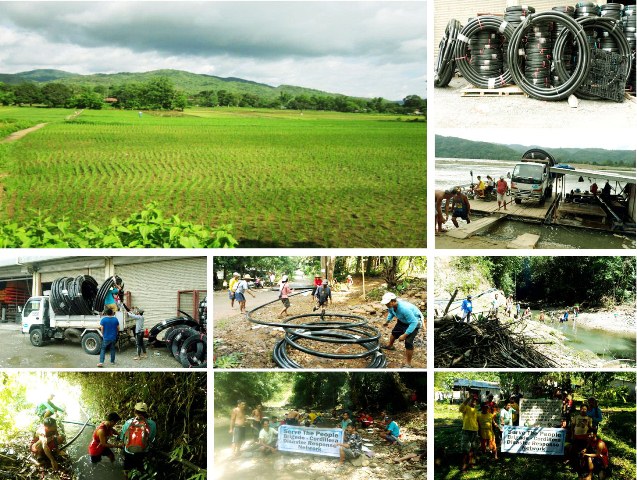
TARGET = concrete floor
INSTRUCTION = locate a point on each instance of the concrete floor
(448, 109)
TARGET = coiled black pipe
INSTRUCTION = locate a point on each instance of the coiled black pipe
(446, 65)
(614, 31)
(73, 296)
(462, 57)
(516, 51)
(98, 305)
(337, 332)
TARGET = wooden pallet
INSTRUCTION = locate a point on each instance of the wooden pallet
(492, 92)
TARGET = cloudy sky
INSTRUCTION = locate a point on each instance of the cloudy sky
(355, 48)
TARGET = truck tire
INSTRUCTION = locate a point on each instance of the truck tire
(37, 337)
(193, 352)
(92, 343)
(518, 201)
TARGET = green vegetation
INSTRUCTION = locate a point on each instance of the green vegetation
(596, 281)
(453, 147)
(279, 177)
(617, 429)
(175, 89)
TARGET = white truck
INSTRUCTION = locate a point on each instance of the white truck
(531, 178)
(41, 323)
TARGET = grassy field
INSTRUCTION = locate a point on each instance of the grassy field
(617, 430)
(281, 178)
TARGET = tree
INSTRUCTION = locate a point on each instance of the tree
(87, 99)
(27, 94)
(180, 102)
(159, 94)
(56, 95)
(411, 103)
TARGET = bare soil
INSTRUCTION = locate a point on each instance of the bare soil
(253, 344)
(21, 133)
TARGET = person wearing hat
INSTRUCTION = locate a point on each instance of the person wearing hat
(232, 287)
(501, 188)
(318, 281)
(137, 314)
(46, 443)
(138, 434)
(323, 296)
(349, 282)
(284, 293)
(99, 445)
(466, 308)
(240, 291)
(409, 319)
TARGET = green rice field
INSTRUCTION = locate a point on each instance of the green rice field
(280, 178)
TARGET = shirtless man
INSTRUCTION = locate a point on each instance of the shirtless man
(293, 417)
(238, 426)
(461, 207)
(440, 196)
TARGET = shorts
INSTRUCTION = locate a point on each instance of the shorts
(501, 196)
(460, 213)
(230, 295)
(292, 421)
(469, 440)
(401, 328)
(349, 453)
(134, 461)
(239, 297)
(598, 465)
(107, 452)
(390, 438)
(239, 434)
(285, 302)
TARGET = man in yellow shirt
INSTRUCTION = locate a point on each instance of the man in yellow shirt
(480, 188)
(232, 286)
(469, 431)
(485, 428)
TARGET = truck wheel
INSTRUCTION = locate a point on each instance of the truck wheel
(92, 343)
(518, 201)
(542, 200)
(37, 337)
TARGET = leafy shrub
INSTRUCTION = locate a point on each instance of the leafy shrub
(146, 229)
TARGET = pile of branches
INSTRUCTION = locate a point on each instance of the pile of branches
(485, 343)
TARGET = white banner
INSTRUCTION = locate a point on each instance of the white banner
(533, 440)
(315, 441)
(540, 412)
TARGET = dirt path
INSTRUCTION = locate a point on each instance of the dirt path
(21, 133)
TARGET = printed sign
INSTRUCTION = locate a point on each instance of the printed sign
(315, 441)
(540, 412)
(533, 440)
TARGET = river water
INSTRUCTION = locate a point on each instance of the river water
(454, 171)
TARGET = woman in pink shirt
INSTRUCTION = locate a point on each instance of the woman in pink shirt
(284, 292)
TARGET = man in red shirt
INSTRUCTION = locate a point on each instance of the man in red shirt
(502, 187)
(595, 457)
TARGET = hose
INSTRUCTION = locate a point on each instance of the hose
(484, 23)
(446, 65)
(98, 305)
(613, 31)
(73, 296)
(193, 352)
(342, 331)
(516, 51)
(171, 322)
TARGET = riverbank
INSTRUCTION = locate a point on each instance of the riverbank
(621, 319)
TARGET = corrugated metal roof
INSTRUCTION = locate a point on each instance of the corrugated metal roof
(463, 382)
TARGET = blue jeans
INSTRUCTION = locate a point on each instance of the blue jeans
(108, 344)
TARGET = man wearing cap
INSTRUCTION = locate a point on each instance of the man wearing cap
(409, 317)
(137, 314)
(138, 434)
(232, 287)
(323, 296)
(100, 445)
(240, 291)
(502, 187)
(466, 308)
(284, 294)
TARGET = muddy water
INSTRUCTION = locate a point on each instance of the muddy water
(451, 172)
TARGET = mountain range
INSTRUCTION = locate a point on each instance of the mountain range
(191, 83)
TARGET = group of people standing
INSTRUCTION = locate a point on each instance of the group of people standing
(135, 438)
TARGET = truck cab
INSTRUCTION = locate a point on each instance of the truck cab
(531, 178)
(41, 323)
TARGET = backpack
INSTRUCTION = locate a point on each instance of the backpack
(137, 437)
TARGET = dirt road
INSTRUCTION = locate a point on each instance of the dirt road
(16, 351)
(21, 133)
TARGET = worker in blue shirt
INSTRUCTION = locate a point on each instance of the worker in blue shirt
(466, 308)
(409, 318)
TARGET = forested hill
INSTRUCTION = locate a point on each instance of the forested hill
(453, 147)
(190, 83)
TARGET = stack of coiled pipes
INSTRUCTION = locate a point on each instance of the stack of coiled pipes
(331, 328)
(73, 296)
(540, 70)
